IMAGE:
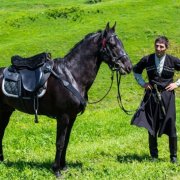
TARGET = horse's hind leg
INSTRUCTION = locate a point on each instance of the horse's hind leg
(5, 113)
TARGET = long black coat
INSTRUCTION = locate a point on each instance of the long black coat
(150, 114)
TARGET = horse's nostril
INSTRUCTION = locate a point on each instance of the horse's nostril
(129, 69)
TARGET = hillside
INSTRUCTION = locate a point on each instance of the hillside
(103, 145)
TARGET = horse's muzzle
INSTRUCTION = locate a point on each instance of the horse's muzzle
(124, 68)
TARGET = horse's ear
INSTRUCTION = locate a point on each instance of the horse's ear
(107, 27)
(113, 28)
(106, 30)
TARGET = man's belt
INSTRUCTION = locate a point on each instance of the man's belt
(160, 99)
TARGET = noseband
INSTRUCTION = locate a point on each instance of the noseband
(112, 54)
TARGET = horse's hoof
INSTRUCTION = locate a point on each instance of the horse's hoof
(64, 168)
(56, 171)
(1, 157)
(58, 174)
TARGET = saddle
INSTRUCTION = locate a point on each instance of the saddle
(27, 78)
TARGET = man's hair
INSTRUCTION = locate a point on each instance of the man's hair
(162, 39)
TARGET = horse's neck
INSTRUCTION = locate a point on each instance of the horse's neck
(84, 70)
(83, 65)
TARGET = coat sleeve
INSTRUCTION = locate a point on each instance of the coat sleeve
(177, 68)
(140, 66)
(177, 64)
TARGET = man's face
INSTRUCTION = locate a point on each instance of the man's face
(160, 49)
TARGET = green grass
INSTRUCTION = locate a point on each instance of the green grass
(103, 145)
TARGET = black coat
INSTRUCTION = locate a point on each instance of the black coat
(150, 114)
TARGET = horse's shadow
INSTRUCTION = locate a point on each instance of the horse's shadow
(20, 165)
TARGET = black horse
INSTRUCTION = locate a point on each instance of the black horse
(79, 69)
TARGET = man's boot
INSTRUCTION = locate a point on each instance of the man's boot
(173, 149)
(153, 147)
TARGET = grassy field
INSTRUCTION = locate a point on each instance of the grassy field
(103, 145)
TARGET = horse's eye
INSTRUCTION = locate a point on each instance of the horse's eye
(113, 45)
(112, 41)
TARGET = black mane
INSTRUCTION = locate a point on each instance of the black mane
(73, 49)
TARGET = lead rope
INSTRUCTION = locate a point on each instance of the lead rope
(112, 79)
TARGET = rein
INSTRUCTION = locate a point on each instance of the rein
(119, 99)
(118, 78)
(112, 79)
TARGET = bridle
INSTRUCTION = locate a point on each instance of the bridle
(116, 59)
(106, 49)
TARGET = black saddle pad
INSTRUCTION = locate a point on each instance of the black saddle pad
(31, 62)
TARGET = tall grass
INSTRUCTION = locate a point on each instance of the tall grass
(103, 145)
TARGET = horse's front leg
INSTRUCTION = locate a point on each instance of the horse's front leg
(63, 155)
(5, 114)
(62, 124)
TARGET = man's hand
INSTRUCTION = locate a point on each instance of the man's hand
(171, 87)
(147, 86)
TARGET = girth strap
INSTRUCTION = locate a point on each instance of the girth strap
(36, 106)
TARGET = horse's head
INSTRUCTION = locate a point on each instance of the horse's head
(112, 51)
